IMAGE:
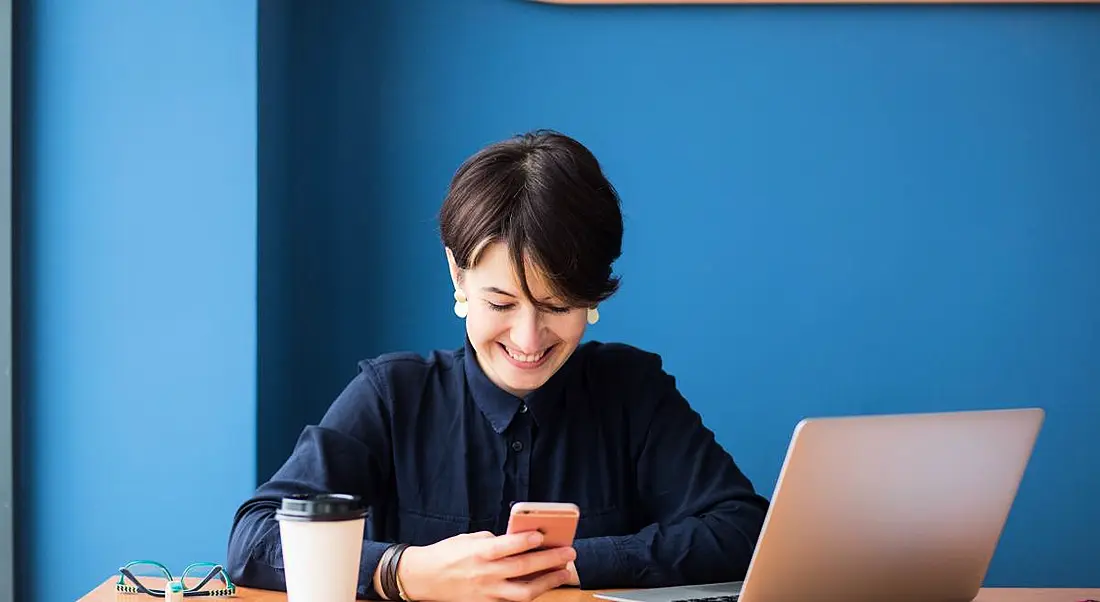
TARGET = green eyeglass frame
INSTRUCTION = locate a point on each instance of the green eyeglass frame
(135, 586)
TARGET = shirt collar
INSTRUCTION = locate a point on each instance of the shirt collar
(499, 406)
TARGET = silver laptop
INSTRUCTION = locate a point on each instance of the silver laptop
(882, 508)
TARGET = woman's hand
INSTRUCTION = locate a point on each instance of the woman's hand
(574, 578)
(482, 566)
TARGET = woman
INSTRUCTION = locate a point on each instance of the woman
(439, 447)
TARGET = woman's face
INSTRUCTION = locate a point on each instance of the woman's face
(519, 347)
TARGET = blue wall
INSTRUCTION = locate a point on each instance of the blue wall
(830, 210)
(138, 288)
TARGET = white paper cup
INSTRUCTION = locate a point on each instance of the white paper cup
(322, 538)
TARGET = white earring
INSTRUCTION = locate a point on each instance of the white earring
(461, 308)
(593, 315)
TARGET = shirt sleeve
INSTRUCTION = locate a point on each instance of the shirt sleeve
(706, 516)
(348, 452)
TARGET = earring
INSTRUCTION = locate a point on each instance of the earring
(461, 308)
(593, 315)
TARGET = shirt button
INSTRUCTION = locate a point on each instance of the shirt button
(522, 408)
(517, 446)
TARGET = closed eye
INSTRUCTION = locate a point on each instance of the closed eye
(507, 306)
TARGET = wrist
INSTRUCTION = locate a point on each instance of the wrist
(412, 575)
(376, 581)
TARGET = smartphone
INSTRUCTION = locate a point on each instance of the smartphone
(557, 521)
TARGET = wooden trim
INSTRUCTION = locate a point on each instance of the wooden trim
(106, 593)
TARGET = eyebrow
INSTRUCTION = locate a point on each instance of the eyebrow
(495, 290)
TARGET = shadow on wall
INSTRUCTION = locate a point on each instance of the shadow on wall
(337, 233)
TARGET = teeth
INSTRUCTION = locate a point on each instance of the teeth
(523, 357)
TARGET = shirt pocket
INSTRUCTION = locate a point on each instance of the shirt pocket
(423, 529)
(604, 522)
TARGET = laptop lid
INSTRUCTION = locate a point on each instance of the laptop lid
(891, 507)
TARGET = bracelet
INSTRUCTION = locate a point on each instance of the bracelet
(391, 587)
(395, 564)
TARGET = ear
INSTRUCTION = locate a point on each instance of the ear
(453, 267)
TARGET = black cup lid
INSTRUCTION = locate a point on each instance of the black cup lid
(321, 507)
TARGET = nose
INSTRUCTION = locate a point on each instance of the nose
(525, 331)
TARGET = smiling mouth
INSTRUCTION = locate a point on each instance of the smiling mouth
(526, 360)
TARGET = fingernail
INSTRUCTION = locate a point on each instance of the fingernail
(568, 554)
(535, 538)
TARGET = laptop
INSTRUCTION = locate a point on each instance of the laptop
(882, 508)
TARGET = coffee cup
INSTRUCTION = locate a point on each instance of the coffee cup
(322, 539)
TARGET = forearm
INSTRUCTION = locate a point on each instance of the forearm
(702, 516)
(346, 453)
(255, 557)
(710, 548)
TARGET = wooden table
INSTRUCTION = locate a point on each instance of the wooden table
(106, 593)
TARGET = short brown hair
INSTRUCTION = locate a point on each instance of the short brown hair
(545, 196)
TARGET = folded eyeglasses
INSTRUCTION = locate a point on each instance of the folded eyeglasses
(198, 579)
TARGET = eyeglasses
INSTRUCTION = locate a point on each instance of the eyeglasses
(145, 575)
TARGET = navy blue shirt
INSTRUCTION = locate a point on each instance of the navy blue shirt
(436, 449)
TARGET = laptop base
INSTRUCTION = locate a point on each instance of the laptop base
(714, 592)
